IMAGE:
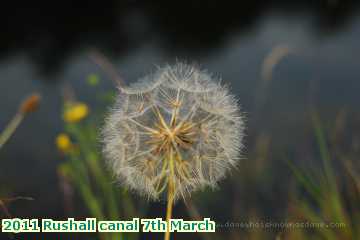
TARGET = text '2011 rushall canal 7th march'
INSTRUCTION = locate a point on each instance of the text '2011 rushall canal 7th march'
(17, 225)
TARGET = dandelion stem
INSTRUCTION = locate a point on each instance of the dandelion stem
(10, 128)
(169, 212)
(170, 193)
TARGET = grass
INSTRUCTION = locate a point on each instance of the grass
(84, 168)
(326, 201)
(323, 195)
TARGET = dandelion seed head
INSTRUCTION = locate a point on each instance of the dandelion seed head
(179, 111)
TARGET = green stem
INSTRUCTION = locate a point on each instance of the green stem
(170, 194)
(10, 128)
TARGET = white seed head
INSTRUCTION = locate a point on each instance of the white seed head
(177, 125)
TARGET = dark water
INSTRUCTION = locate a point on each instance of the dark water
(44, 48)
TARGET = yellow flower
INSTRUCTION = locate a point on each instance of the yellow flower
(75, 112)
(63, 143)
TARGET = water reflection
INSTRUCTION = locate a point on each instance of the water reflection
(51, 33)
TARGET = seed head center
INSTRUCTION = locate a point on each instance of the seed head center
(181, 135)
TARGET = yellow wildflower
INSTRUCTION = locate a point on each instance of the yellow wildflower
(64, 143)
(75, 112)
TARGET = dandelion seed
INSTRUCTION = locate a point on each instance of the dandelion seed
(177, 130)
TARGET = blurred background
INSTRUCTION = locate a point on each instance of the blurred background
(294, 65)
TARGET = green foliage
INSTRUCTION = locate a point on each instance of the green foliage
(325, 204)
(325, 201)
(85, 169)
(93, 79)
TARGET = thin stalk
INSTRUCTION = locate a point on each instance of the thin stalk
(170, 194)
(98, 58)
(10, 128)
(29, 105)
